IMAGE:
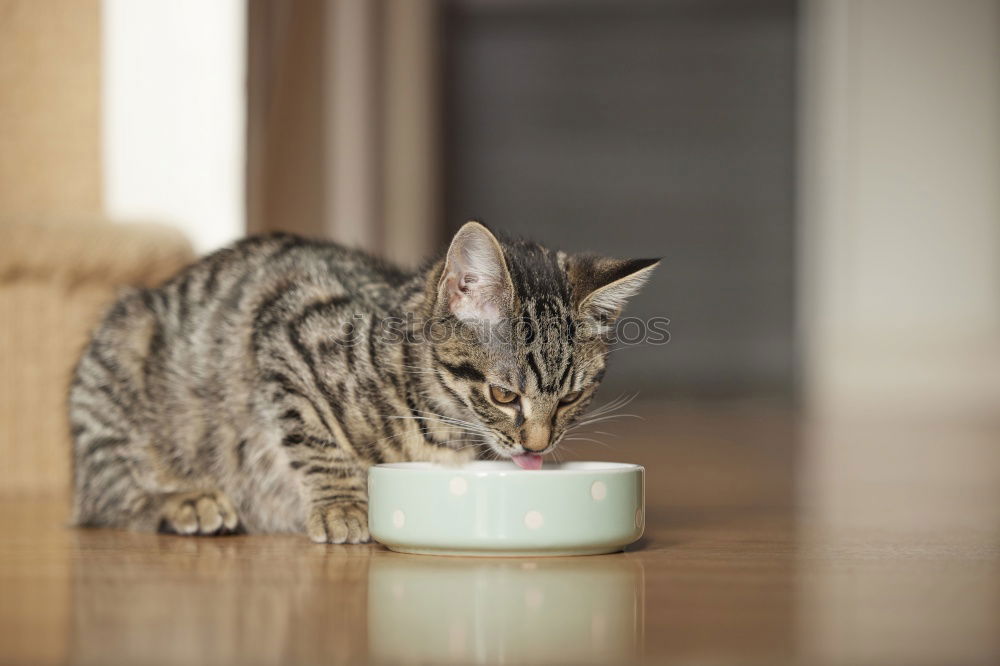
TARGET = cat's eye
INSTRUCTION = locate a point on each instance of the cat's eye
(502, 395)
(570, 398)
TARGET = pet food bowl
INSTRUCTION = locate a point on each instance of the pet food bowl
(498, 509)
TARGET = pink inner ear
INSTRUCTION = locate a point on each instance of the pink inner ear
(470, 298)
(476, 283)
(457, 292)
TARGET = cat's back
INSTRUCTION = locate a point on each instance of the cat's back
(230, 278)
(201, 334)
(200, 323)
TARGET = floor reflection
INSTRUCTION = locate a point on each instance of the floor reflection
(147, 598)
(900, 525)
(471, 611)
(158, 599)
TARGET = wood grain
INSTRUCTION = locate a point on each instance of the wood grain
(769, 540)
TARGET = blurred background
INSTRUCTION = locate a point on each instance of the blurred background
(822, 178)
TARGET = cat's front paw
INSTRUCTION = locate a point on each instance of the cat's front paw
(344, 522)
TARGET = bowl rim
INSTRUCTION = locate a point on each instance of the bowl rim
(507, 468)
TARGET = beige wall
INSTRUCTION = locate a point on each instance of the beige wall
(900, 256)
(55, 278)
(49, 107)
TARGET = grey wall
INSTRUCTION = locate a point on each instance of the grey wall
(642, 129)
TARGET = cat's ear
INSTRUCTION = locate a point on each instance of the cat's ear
(475, 283)
(603, 286)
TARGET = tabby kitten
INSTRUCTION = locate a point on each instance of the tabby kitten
(254, 389)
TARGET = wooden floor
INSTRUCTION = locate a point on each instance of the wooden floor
(768, 541)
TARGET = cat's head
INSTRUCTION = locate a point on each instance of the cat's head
(527, 347)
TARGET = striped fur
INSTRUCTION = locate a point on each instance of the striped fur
(253, 390)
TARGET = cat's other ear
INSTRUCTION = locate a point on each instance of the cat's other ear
(475, 283)
(602, 286)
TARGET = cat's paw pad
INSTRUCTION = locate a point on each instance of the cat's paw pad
(344, 522)
(199, 513)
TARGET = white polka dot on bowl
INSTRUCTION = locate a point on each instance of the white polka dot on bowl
(458, 486)
(598, 490)
(533, 520)
(398, 518)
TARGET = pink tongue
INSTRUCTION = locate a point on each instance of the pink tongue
(528, 461)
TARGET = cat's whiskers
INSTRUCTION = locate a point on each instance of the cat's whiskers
(426, 429)
(442, 416)
(602, 419)
(611, 350)
(442, 423)
(620, 402)
(478, 443)
(463, 427)
(588, 439)
(420, 431)
(603, 414)
(453, 421)
(568, 449)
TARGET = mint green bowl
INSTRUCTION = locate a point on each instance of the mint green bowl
(496, 508)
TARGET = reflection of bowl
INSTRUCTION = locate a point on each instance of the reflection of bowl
(425, 610)
(495, 508)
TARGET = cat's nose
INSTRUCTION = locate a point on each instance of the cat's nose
(535, 437)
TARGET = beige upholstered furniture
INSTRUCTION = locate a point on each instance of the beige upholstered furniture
(56, 279)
